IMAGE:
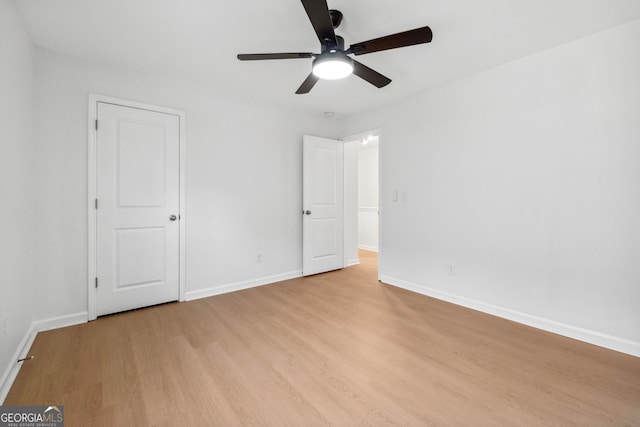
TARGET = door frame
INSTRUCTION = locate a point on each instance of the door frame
(92, 158)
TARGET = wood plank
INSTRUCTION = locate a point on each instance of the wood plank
(334, 349)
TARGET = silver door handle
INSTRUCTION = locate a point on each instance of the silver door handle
(173, 218)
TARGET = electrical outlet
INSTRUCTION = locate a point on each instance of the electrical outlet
(452, 270)
(259, 258)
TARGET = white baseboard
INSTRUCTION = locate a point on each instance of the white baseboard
(351, 262)
(61, 321)
(592, 337)
(11, 371)
(368, 248)
(238, 286)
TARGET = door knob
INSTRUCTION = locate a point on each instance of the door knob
(307, 212)
(173, 218)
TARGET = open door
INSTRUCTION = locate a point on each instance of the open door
(323, 205)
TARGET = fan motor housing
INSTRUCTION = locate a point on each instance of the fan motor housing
(328, 45)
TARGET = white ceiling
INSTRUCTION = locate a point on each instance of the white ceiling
(198, 40)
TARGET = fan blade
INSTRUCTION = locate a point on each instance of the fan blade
(318, 13)
(372, 76)
(307, 84)
(262, 56)
(406, 38)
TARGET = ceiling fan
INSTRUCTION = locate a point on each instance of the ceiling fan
(333, 61)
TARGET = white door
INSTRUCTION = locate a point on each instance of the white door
(323, 205)
(137, 224)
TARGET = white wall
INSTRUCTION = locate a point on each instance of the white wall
(368, 196)
(526, 178)
(17, 188)
(244, 191)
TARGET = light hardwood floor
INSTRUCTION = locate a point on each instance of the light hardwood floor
(332, 349)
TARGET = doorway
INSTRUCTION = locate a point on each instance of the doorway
(368, 193)
(136, 205)
(362, 196)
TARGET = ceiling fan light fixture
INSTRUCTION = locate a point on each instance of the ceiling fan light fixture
(332, 65)
(333, 62)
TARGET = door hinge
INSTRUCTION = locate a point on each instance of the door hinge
(96, 124)
(96, 282)
(96, 203)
